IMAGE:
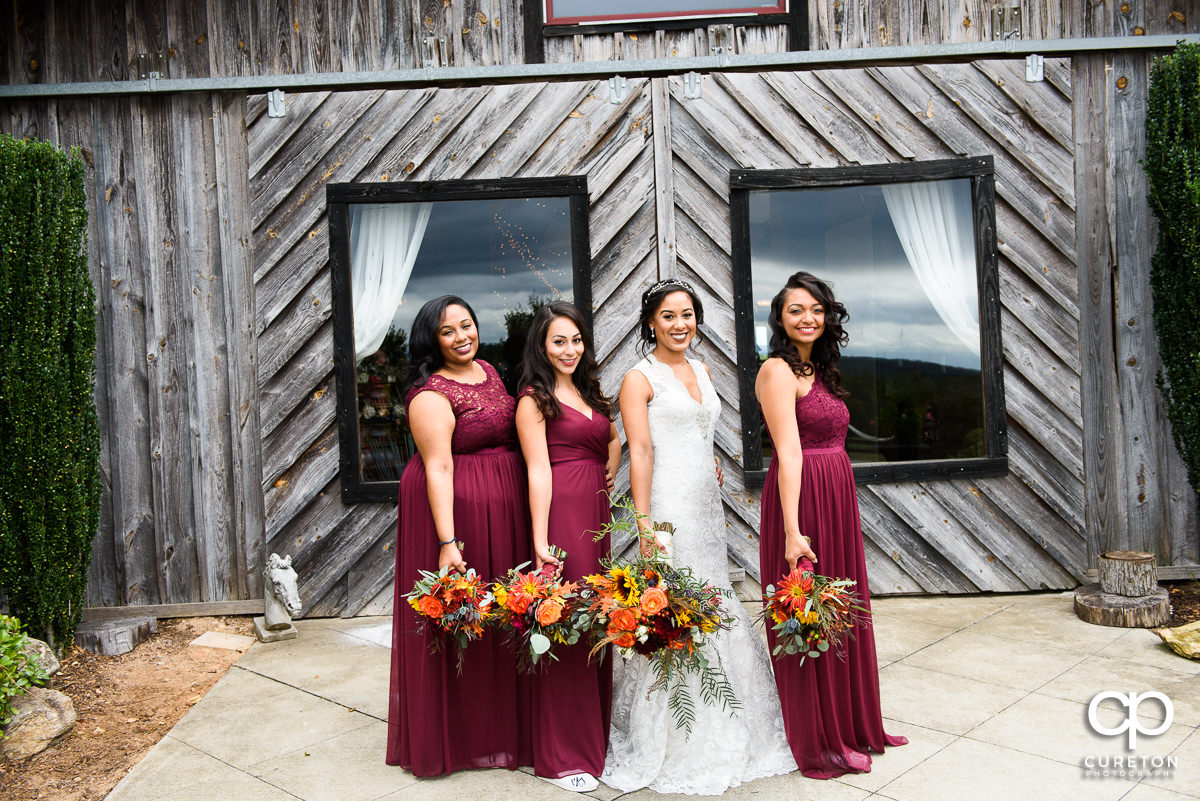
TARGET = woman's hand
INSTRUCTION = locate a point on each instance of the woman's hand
(543, 556)
(450, 556)
(796, 547)
(720, 475)
(609, 478)
(648, 545)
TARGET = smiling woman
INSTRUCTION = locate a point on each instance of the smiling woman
(506, 246)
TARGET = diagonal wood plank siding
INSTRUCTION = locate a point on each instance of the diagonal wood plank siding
(344, 554)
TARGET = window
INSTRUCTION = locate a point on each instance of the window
(505, 247)
(573, 12)
(547, 18)
(910, 250)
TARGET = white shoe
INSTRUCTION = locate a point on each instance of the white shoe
(576, 782)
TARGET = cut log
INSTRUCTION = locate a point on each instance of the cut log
(1130, 573)
(112, 637)
(1093, 605)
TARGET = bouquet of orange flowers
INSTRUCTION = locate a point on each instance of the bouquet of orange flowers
(810, 613)
(453, 606)
(534, 610)
(646, 606)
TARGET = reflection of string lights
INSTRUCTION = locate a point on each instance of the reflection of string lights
(523, 246)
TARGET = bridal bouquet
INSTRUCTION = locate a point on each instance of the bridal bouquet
(453, 606)
(534, 610)
(810, 613)
(646, 606)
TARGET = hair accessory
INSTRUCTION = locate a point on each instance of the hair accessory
(684, 285)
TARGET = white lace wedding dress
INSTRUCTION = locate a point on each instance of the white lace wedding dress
(646, 750)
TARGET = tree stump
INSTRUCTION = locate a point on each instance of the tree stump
(1093, 605)
(1128, 573)
(112, 637)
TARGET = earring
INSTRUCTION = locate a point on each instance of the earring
(652, 334)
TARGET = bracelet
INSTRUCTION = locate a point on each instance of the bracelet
(449, 542)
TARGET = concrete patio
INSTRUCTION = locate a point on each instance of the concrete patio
(992, 692)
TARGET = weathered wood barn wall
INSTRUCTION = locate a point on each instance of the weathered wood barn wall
(209, 248)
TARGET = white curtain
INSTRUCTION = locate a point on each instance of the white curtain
(937, 236)
(384, 241)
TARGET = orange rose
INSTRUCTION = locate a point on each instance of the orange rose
(549, 612)
(622, 620)
(654, 600)
(430, 606)
(519, 602)
(626, 640)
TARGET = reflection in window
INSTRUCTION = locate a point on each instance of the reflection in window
(575, 11)
(902, 260)
(903, 254)
(504, 256)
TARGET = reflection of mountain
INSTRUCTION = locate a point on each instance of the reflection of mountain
(923, 410)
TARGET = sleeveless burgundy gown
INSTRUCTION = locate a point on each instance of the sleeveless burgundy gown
(438, 721)
(572, 700)
(830, 705)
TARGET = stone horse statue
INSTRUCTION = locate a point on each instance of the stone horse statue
(282, 600)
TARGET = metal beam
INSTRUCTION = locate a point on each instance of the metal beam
(591, 70)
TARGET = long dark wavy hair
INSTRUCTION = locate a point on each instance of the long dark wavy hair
(652, 298)
(538, 374)
(827, 350)
(424, 351)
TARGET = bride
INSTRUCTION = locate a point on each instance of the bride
(670, 410)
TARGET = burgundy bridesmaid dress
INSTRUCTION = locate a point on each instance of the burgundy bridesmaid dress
(830, 705)
(572, 700)
(439, 721)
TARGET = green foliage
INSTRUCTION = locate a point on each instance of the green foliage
(17, 672)
(49, 437)
(1172, 165)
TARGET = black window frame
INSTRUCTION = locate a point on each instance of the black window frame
(338, 198)
(536, 27)
(981, 171)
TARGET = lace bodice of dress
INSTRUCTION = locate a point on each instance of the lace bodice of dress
(683, 487)
(821, 418)
(483, 412)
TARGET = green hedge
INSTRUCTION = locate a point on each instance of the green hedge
(49, 439)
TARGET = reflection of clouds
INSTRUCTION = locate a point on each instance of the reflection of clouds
(494, 254)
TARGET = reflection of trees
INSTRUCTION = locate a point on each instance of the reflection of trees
(505, 356)
(384, 438)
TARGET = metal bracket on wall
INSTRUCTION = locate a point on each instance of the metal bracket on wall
(152, 67)
(276, 105)
(1006, 22)
(1035, 68)
(435, 52)
(720, 41)
(692, 85)
(618, 90)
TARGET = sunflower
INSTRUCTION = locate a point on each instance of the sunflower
(625, 587)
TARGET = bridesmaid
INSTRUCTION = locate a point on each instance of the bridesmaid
(830, 706)
(462, 503)
(572, 452)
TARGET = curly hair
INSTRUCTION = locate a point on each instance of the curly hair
(652, 298)
(538, 375)
(827, 350)
(424, 353)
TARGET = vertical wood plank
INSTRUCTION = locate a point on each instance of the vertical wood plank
(200, 280)
(314, 35)
(229, 39)
(664, 184)
(187, 37)
(237, 271)
(26, 54)
(109, 51)
(1102, 432)
(275, 38)
(168, 352)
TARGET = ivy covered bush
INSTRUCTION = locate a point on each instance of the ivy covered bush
(49, 439)
(17, 672)
(1172, 166)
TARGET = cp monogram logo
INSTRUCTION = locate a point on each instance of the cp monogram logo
(1132, 722)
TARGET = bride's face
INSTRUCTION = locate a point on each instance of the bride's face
(674, 322)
